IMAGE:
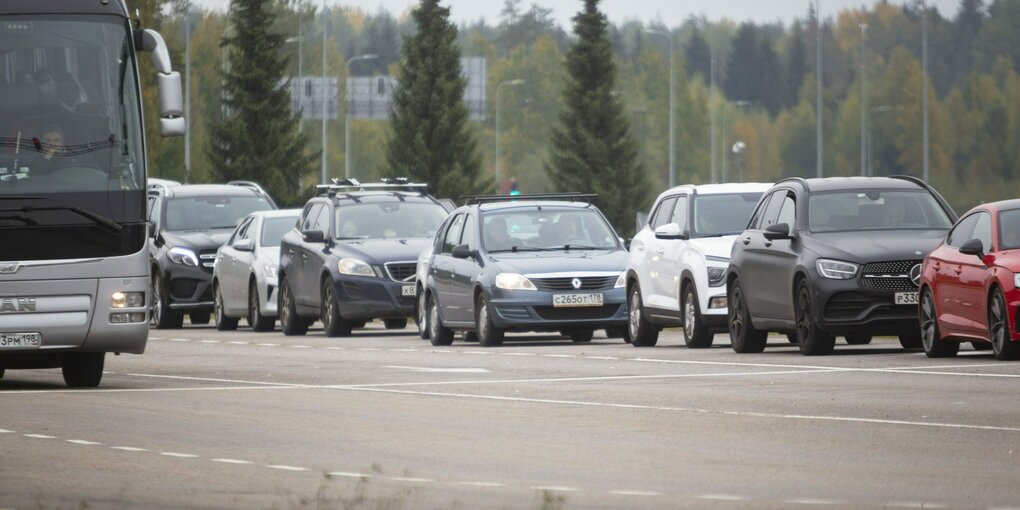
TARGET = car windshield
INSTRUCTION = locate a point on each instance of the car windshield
(274, 228)
(388, 220)
(721, 215)
(1009, 230)
(208, 213)
(875, 210)
(538, 229)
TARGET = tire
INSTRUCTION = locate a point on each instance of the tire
(857, 339)
(981, 346)
(743, 337)
(161, 316)
(290, 323)
(421, 316)
(911, 340)
(223, 323)
(438, 334)
(582, 336)
(256, 320)
(332, 323)
(696, 334)
(395, 323)
(1003, 346)
(488, 334)
(83, 369)
(931, 339)
(2, 372)
(642, 333)
(810, 338)
(200, 318)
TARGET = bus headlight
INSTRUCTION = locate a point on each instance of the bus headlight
(127, 299)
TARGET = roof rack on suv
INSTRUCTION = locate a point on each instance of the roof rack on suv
(569, 197)
(800, 180)
(387, 184)
(248, 184)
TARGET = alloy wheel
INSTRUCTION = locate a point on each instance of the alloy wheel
(736, 313)
(156, 314)
(804, 314)
(997, 324)
(928, 328)
(689, 315)
(635, 313)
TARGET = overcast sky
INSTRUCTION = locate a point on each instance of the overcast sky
(671, 12)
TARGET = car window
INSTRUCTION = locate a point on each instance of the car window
(663, 213)
(453, 234)
(241, 231)
(680, 213)
(468, 237)
(245, 232)
(771, 214)
(310, 215)
(759, 213)
(722, 214)
(962, 232)
(983, 230)
(788, 213)
(322, 221)
(1009, 229)
(273, 230)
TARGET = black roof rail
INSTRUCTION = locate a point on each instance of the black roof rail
(248, 184)
(386, 184)
(938, 196)
(910, 178)
(568, 197)
(799, 180)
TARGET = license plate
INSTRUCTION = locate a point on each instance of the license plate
(577, 300)
(20, 340)
(407, 290)
(906, 298)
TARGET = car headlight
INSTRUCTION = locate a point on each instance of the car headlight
(621, 282)
(354, 267)
(270, 270)
(836, 270)
(182, 256)
(513, 281)
(1016, 280)
(716, 276)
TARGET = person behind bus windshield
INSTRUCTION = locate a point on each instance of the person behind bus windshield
(55, 152)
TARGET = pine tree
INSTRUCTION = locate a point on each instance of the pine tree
(698, 56)
(430, 138)
(796, 65)
(592, 147)
(743, 76)
(257, 139)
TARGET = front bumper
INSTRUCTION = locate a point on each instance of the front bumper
(847, 307)
(534, 311)
(189, 288)
(367, 298)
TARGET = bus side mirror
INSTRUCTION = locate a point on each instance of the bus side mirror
(171, 100)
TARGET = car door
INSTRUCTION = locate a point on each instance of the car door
(670, 252)
(244, 261)
(948, 266)
(754, 253)
(442, 269)
(318, 256)
(227, 266)
(639, 259)
(779, 258)
(654, 292)
(462, 274)
(971, 280)
(299, 254)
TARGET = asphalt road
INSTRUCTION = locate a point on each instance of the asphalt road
(383, 420)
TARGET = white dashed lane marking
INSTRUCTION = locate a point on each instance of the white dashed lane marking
(179, 455)
(482, 484)
(232, 461)
(723, 497)
(635, 493)
(209, 341)
(83, 442)
(810, 501)
(346, 474)
(411, 479)
(556, 488)
(128, 449)
(268, 345)
(40, 436)
(286, 468)
(2, 431)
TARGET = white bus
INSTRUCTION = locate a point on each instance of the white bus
(74, 274)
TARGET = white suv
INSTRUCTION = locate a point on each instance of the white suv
(678, 261)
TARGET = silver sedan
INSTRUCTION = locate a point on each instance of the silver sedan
(244, 275)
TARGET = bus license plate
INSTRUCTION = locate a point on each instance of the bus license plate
(20, 340)
(577, 300)
(407, 290)
(906, 298)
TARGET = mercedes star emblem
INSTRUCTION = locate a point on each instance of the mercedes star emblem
(915, 274)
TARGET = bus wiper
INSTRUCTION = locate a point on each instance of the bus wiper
(24, 198)
(102, 220)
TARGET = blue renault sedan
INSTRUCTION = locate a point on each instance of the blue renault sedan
(526, 263)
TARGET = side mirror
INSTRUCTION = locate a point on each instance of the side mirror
(152, 230)
(461, 252)
(168, 82)
(313, 236)
(670, 231)
(973, 247)
(778, 231)
(245, 245)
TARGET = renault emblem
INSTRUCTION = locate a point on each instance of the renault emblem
(576, 282)
(915, 275)
(9, 267)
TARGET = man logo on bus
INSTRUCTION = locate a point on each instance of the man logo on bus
(8, 305)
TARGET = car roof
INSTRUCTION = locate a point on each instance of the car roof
(719, 189)
(205, 190)
(1001, 205)
(825, 184)
(278, 213)
(530, 204)
(375, 197)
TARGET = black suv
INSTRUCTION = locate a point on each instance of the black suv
(353, 256)
(187, 225)
(834, 257)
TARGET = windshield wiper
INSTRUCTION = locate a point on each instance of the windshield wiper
(24, 198)
(101, 220)
(569, 247)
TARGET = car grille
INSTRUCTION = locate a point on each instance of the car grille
(401, 271)
(567, 283)
(891, 276)
(851, 305)
(207, 259)
(551, 313)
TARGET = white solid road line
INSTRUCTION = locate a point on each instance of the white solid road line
(212, 379)
(232, 461)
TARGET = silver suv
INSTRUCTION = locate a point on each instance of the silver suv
(677, 268)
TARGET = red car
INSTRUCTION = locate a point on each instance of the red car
(970, 284)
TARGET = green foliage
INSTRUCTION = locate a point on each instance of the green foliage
(592, 148)
(430, 137)
(256, 138)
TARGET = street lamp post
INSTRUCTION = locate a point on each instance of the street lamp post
(711, 101)
(871, 149)
(325, 156)
(864, 101)
(738, 150)
(672, 111)
(818, 86)
(499, 88)
(299, 39)
(725, 169)
(347, 114)
(924, 83)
